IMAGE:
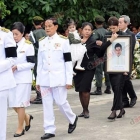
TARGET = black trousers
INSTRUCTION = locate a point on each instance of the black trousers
(117, 84)
(128, 88)
(99, 75)
(35, 74)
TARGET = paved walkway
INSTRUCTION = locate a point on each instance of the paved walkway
(97, 127)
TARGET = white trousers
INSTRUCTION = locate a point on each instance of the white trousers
(3, 113)
(59, 95)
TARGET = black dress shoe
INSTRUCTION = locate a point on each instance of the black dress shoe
(36, 101)
(96, 92)
(133, 102)
(72, 126)
(18, 135)
(28, 127)
(107, 91)
(81, 115)
(47, 136)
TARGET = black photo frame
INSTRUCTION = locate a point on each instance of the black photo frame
(119, 55)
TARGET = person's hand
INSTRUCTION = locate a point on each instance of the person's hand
(68, 86)
(82, 41)
(99, 43)
(14, 68)
(38, 88)
(125, 73)
(113, 37)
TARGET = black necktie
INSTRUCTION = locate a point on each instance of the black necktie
(16, 46)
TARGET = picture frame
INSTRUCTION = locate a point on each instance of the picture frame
(119, 56)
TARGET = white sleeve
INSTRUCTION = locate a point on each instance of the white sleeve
(30, 59)
(10, 52)
(68, 62)
(6, 64)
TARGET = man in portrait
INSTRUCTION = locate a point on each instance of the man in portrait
(118, 57)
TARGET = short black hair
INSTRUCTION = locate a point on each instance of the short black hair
(19, 26)
(118, 45)
(87, 23)
(113, 21)
(54, 20)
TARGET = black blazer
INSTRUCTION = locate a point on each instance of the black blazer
(133, 40)
(93, 51)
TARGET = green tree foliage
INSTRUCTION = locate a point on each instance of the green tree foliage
(81, 10)
(3, 9)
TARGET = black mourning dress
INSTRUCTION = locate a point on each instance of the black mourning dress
(83, 79)
(117, 83)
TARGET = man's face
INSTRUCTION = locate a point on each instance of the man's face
(50, 28)
(122, 24)
(118, 51)
(134, 30)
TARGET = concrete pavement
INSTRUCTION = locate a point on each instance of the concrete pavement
(97, 127)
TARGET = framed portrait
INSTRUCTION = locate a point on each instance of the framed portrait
(119, 55)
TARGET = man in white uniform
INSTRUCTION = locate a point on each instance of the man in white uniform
(54, 77)
(118, 58)
(7, 55)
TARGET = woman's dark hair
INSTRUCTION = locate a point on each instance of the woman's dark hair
(113, 21)
(54, 20)
(87, 23)
(69, 22)
(19, 26)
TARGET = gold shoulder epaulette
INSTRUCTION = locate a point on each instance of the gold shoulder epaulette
(28, 42)
(4, 29)
(41, 38)
(63, 37)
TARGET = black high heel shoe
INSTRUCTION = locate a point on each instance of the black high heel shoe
(18, 135)
(81, 115)
(122, 112)
(112, 116)
(28, 127)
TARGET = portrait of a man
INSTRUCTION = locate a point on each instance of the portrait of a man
(118, 57)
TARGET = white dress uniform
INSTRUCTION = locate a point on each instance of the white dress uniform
(23, 74)
(54, 71)
(7, 60)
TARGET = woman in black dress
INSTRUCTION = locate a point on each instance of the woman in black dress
(83, 79)
(117, 79)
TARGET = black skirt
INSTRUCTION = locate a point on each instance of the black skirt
(83, 80)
